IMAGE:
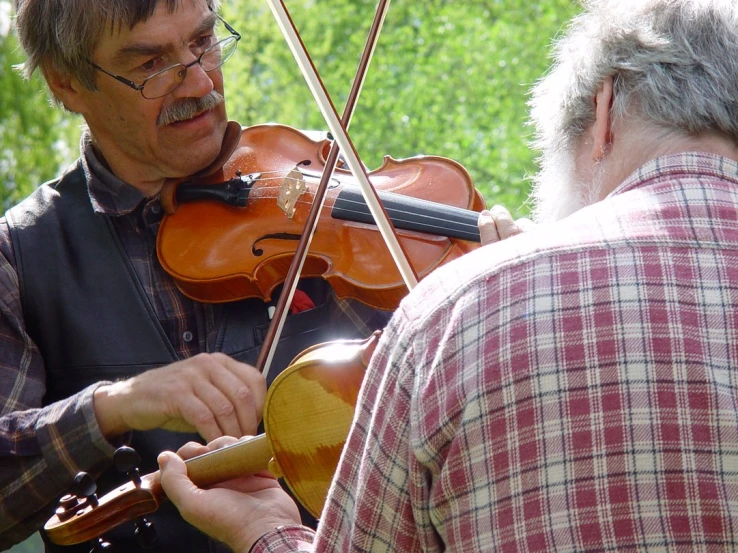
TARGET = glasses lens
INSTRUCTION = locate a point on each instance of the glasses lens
(218, 53)
(163, 83)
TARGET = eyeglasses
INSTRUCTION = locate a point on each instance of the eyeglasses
(167, 80)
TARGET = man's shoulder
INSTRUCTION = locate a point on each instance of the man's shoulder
(487, 270)
(40, 201)
(604, 234)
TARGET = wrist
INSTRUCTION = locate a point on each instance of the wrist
(107, 412)
(295, 536)
(251, 534)
(261, 525)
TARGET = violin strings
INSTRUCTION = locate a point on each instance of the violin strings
(397, 215)
(403, 216)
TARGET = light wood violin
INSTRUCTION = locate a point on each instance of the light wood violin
(307, 416)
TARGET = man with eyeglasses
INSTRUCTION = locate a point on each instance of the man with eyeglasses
(97, 345)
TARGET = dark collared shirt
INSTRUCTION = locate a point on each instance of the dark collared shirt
(41, 447)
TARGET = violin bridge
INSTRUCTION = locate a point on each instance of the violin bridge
(293, 185)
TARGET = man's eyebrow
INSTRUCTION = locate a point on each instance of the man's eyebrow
(133, 51)
(142, 49)
(207, 24)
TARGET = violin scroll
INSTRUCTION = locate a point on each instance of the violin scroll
(81, 516)
(80, 519)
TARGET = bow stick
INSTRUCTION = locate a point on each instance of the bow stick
(342, 141)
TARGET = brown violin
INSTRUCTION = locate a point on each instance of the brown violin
(231, 233)
(307, 417)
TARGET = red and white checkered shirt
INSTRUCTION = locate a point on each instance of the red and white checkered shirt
(571, 389)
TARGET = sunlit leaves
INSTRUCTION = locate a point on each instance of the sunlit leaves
(35, 139)
(449, 77)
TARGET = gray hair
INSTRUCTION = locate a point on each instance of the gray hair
(674, 64)
(62, 34)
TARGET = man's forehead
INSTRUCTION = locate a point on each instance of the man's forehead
(165, 28)
(124, 15)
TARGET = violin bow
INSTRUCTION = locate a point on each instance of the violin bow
(341, 142)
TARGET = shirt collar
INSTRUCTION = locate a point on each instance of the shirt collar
(676, 165)
(108, 194)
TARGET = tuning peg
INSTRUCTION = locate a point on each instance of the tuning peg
(145, 533)
(127, 460)
(101, 546)
(67, 507)
(84, 486)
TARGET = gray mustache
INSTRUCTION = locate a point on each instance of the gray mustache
(187, 108)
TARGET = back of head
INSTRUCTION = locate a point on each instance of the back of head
(674, 65)
(63, 34)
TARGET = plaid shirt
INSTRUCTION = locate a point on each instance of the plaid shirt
(42, 448)
(571, 389)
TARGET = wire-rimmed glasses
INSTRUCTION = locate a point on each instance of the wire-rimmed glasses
(167, 80)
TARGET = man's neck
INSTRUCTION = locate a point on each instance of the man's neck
(128, 174)
(649, 144)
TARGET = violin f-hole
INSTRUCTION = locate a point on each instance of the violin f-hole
(258, 252)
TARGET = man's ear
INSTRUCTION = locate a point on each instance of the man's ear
(602, 137)
(65, 88)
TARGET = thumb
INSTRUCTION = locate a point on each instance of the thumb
(525, 224)
(174, 476)
(487, 228)
(171, 462)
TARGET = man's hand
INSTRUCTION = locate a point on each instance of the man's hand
(237, 512)
(211, 394)
(497, 224)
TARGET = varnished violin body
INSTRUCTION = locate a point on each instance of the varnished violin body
(219, 252)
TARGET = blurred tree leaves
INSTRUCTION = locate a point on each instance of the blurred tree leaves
(35, 139)
(448, 77)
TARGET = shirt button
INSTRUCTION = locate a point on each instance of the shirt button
(187, 336)
(155, 209)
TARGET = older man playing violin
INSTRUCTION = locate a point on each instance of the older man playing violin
(574, 388)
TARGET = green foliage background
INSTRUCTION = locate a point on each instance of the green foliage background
(448, 77)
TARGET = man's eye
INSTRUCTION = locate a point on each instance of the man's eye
(202, 43)
(151, 66)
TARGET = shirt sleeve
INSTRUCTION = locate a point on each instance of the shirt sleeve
(412, 475)
(41, 447)
(287, 539)
(370, 505)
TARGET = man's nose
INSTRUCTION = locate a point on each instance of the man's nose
(197, 83)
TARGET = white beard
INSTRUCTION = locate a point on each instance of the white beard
(558, 191)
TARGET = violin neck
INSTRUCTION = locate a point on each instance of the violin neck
(408, 213)
(244, 457)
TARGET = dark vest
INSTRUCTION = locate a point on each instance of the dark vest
(87, 312)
